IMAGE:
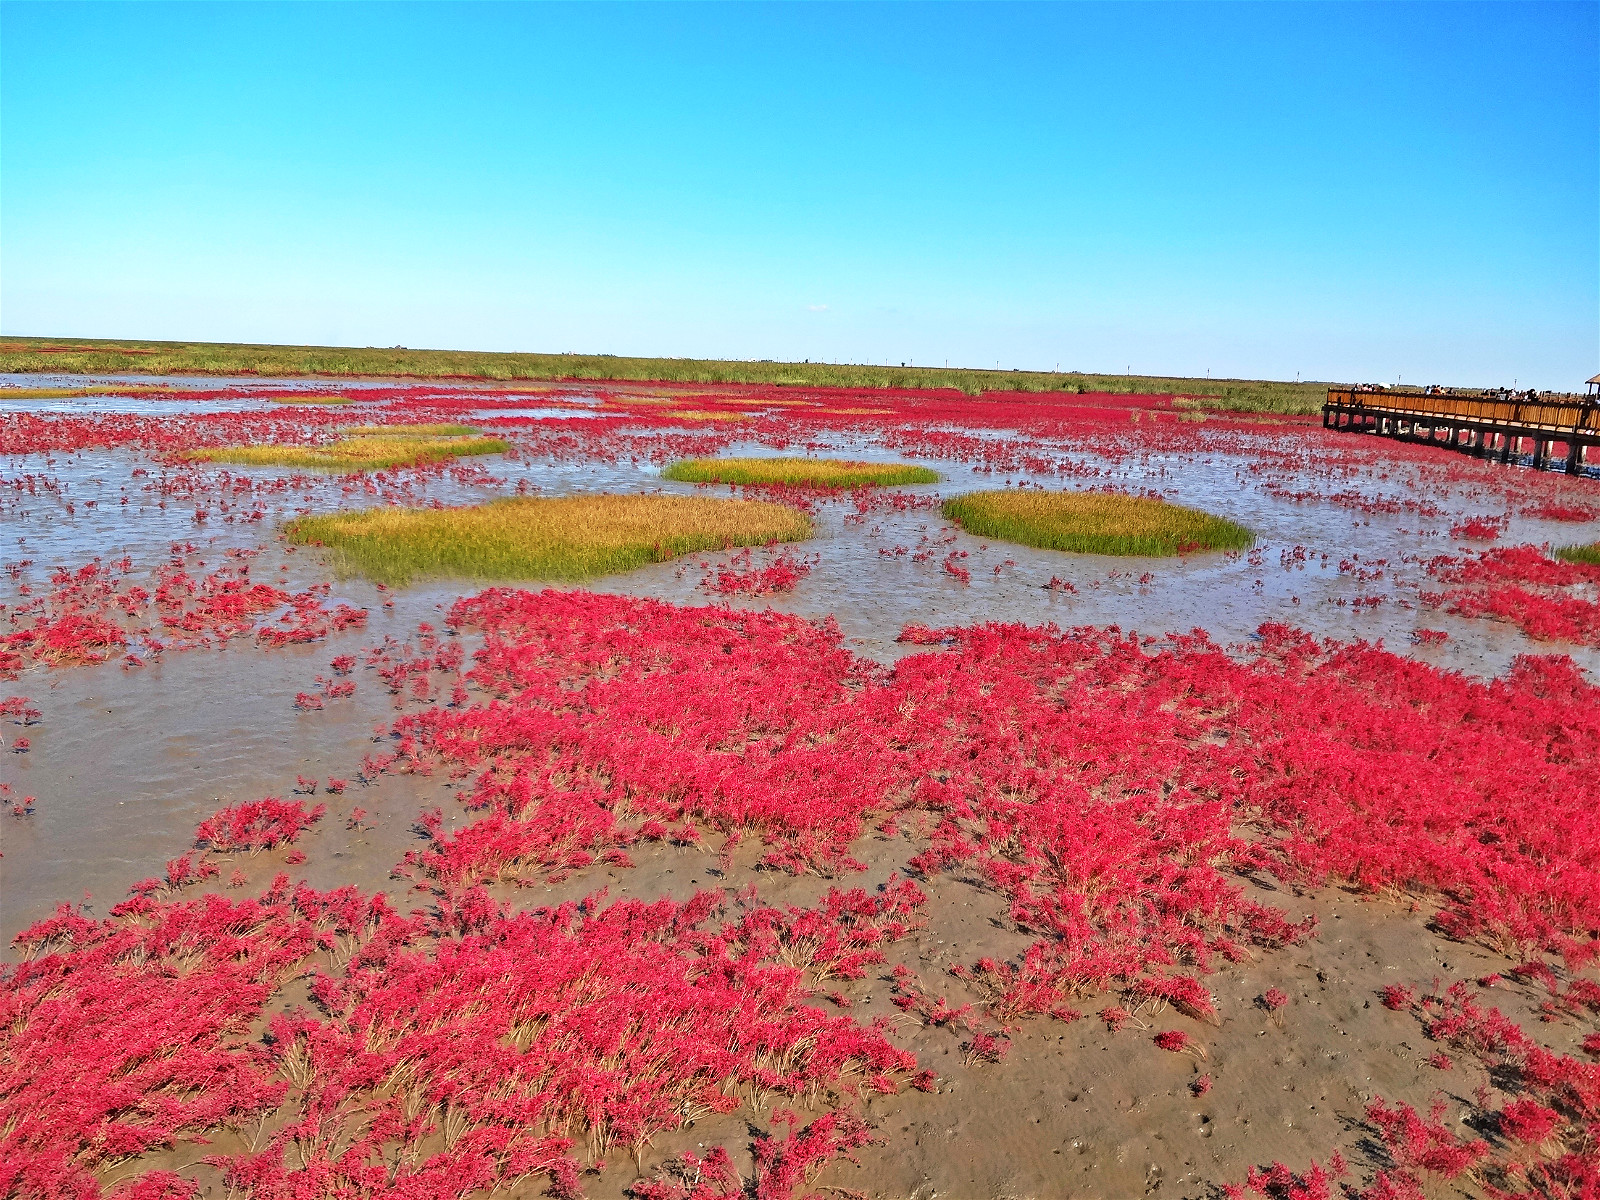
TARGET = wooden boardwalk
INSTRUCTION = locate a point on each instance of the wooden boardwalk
(1494, 426)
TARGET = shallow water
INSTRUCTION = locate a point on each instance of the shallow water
(125, 764)
(89, 406)
(214, 382)
(544, 413)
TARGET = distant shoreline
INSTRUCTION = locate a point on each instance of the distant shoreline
(92, 356)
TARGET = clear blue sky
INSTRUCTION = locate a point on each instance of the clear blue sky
(1367, 192)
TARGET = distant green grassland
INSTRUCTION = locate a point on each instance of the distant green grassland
(96, 356)
(824, 472)
(1094, 523)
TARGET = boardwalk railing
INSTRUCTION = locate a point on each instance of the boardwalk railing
(1493, 426)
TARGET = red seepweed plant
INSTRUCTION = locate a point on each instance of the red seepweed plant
(520, 1036)
(1111, 789)
(257, 824)
(127, 1034)
(780, 572)
(1549, 599)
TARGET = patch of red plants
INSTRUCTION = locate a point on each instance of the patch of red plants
(95, 613)
(128, 1034)
(1112, 790)
(256, 825)
(1097, 782)
(1549, 599)
(1478, 529)
(514, 1035)
(781, 572)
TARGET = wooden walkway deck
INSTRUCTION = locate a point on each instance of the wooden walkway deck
(1493, 426)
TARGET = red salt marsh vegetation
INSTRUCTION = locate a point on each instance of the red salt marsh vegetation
(905, 865)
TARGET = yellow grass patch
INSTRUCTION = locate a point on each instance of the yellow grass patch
(558, 538)
(820, 472)
(422, 431)
(366, 453)
(1094, 523)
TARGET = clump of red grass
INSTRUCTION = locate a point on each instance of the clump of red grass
(591, 753)
(1549, 599)
(128, 1034)
(779, 573)
(256, 825)
(515, 1035)
(90, 615)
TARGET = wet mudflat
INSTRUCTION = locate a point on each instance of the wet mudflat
(126, 758)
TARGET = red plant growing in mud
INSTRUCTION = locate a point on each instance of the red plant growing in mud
(1424, 1144)
(987, 1047)
(1528, 1121)
(1544, 597)
(19, 709)
(1399, 997)
(92, 615)
(724, 673)
(608, 1024)
(1478, 529)
(1559, 510)
(739, 576)
(783, 1165)
(125, 1034)
(256, 825)
(1106, 786)
(71, 640)
(1278, 1182)
(1556, 1109)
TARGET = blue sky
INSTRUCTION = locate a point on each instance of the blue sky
(1362, 192)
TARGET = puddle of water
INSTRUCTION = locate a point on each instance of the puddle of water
(125, 764)
(581, 401)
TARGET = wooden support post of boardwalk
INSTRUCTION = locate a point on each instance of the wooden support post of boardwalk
(1495, 425)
